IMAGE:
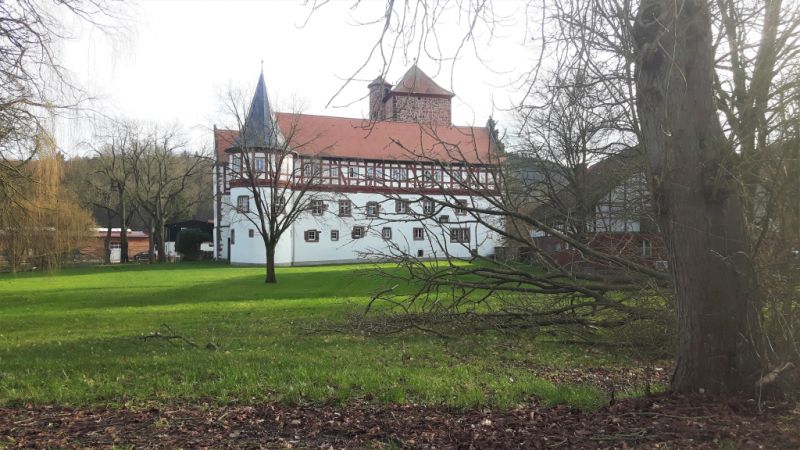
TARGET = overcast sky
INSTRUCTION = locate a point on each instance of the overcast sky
(179, 56)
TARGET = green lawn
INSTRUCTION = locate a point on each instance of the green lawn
(73, 338)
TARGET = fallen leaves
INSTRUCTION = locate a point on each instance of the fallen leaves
(672, 421)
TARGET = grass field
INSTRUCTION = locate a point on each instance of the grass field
(74, 338)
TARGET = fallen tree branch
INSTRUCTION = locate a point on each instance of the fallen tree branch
(773, 375)
(168, 337)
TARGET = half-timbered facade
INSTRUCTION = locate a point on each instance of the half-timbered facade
(607, 206)
(387, 185)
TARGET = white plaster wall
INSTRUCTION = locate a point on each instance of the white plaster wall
(251, 250)
(294, 250)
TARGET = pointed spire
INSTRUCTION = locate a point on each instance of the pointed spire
(259, 127)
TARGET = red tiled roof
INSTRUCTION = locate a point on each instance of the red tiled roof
(341, 137)
(415, 81)
(223, 140)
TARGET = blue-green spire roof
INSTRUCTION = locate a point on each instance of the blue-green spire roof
(259, 129)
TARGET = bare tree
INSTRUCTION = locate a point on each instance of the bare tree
(93, 190)
(35, 85)
(662, 64)
(267, 160)
(114, 175)
(162, 172)
(697, 201)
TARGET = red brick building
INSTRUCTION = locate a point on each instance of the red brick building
(138, 241)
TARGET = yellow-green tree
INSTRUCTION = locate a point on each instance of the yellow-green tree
(42, 224)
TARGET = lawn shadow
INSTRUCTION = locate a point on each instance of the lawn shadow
(293, 284)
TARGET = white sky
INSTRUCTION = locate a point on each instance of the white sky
(181, 55)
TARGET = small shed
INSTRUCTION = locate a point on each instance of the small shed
(171, 230)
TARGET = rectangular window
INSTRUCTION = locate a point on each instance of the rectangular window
(317, 207)
(431, 174)
(236, 163)
(399, 174)
(419, 234)
(427, 206)
(444, 219)
(279, 206)
(373, 209)
(353, 172)
(459, 235)
(334, 235)
(386, 233)
(260, 164)
(334, 171)
(345, 208)
(251, 232)
(312, 170)
(647, 248)
(243, 203)
(311, 235)
(233, 237)
(401, 206)
(358, 232)
(460, 210)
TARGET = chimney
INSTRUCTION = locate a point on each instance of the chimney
(378, 89)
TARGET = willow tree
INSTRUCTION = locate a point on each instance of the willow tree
(45, 227)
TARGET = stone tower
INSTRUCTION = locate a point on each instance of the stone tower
(416, 98)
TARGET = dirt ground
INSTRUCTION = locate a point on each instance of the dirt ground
(657, 422)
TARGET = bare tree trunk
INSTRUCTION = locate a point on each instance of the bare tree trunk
(696, 199)
(161, 246)
(270, 264)
(152, 242)
(107, 240)
(123, 230)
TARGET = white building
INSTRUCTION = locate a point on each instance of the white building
(388, 185)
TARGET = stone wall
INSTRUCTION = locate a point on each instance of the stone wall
(421, 109)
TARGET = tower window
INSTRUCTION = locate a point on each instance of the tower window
(243, 203)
